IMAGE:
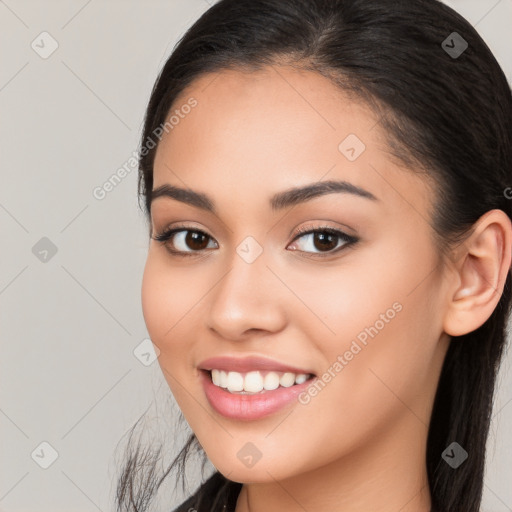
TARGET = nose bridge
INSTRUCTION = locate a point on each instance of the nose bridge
(246, 297)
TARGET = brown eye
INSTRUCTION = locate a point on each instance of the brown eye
(196, 240)
(322, 240)
(185, 241)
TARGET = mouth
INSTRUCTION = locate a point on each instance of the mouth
(255, 381)
(244, 397)
(252, 387)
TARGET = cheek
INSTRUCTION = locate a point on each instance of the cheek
(157, 303)
(338, 302)
(367, 286)
(375, 312)
(168, 298)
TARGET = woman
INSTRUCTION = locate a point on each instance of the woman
(328, 274)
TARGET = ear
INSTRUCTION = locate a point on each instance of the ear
(481, 267)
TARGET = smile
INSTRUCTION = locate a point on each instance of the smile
(241, 404)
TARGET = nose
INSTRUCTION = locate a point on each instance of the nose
(248, 297)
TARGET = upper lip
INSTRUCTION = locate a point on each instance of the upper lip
(247, 364)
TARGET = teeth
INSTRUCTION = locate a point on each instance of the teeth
(301, 378)
(287, 380)
(271, 381)
(235, 381)
(255, 382)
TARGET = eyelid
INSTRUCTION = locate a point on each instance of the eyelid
(179, 227)
(305, 230)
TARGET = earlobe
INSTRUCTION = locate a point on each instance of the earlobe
(483, 264)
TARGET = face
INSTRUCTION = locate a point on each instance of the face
(352, 301)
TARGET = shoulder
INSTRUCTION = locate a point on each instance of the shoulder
(212, 495)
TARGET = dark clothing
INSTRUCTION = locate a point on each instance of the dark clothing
(217, 494)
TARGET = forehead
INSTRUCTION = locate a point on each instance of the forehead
(259, 132)
(276, 104)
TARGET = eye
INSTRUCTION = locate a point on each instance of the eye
(185, 242)
(322, 240)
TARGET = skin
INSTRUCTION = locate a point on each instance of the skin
(360, 444)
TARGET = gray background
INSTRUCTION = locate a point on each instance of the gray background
(70, 324)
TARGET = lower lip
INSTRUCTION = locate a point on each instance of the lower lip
(249, 407)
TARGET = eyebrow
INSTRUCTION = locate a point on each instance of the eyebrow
(279, 201)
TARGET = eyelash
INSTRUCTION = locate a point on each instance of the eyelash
(168, 234)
